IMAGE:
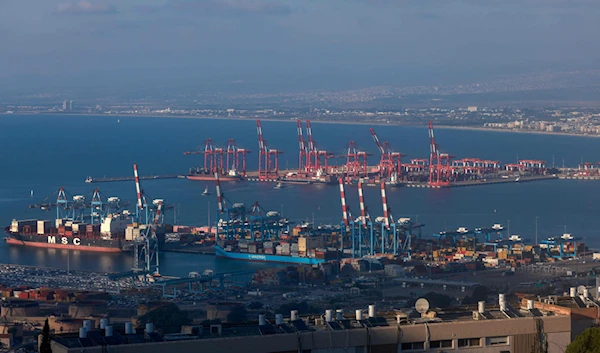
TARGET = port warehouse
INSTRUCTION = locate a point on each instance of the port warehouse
(316, 165)
(484, 328)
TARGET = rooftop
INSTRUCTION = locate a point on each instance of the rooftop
(315, 323)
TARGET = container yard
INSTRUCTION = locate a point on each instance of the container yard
(318, 166)
(440, 169)
(254, 234)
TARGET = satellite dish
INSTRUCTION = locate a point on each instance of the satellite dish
(422, 305)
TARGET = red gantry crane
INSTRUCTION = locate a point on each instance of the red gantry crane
(236, 158)
(303, 156)
(356, 162)
(317, 160)
(390, 165)
(230, 160)
(268, 158)
(440, 164)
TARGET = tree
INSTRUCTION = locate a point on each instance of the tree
(168, 318)
(303, 308)
(237, 314)
(255, 305)
(480, 293)
(435, 300)
(587, 342)
(45, 345)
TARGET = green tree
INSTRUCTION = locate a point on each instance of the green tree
(480, 293)
(303, 308)
(435, 300)
(45, 345)
(587, 342)
(255, 305)
(237, 314)
(168, 318)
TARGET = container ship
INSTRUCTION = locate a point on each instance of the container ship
(303, 178)
(114, 235)
(309, 250)
(200, 173)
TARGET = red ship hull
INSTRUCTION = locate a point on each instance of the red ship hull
(13, 241)
(211, 177)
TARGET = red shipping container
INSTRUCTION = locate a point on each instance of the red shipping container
(24, 295)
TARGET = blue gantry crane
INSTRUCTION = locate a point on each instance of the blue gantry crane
(489, 234)
(237, 220)
(366, 235)
(553, 243)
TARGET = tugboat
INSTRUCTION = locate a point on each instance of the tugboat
(206, 192)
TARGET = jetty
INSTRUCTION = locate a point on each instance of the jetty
(131, 178)
(521, 179)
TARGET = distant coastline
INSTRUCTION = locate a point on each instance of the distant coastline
(344, 122)
(513, 131)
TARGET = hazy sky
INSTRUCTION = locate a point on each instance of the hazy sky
(218, 37)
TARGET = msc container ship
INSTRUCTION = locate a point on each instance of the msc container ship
(115, 234)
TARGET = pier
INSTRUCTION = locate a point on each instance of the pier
(190, 249)
(580, 177)
(522, 179)
(252, 178)
(131, 178)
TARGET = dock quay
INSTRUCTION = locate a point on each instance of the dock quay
(131, 178)
(189, 249)
(483, 182)
(580, 177)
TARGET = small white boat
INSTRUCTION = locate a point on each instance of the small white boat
(517, 180)
(278, 186)
(206, 192)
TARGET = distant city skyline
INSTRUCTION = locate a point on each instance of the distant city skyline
(81, 42)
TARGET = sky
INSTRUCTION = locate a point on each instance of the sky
(237, 39)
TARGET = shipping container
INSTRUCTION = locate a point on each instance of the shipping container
(43, 227)
(79, 227)
(59, 222)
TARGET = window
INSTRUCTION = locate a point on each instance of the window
(495, 341)
(469, 342)
(413, 346)
(441, 344)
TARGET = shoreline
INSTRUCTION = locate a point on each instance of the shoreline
(317, 121)
(533, 132)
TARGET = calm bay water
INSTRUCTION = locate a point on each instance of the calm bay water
(42, 153)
